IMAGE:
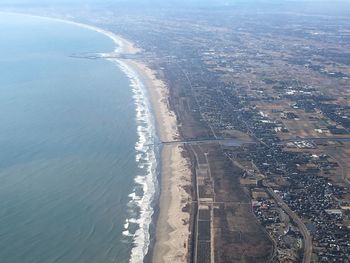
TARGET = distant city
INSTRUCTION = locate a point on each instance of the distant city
(262, 101)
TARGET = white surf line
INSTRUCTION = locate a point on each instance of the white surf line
(147, 162)
(148, 182)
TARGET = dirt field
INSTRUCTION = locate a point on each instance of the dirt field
(237, 235)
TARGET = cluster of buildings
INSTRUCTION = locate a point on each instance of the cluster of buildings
(286, 235)
(222, 71)
(318, 202)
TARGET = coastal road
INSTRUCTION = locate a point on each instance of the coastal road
(224, 141)
(306, 235)
(237, 142)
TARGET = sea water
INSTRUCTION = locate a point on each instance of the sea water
(77, 154)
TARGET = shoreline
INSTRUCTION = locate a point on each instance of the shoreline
(172, 223)
(170, 240)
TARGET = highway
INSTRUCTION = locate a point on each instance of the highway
(306, 235)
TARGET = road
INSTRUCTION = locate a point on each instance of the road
(306, 235)
(230, 141)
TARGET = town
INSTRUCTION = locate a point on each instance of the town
(278, 84)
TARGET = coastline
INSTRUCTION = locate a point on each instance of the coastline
(172, 224)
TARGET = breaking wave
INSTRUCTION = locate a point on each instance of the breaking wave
(141, 199)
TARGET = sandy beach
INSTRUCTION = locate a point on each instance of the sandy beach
(173, 224)
(172, 227)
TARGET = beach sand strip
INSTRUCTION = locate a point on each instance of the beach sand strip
(172, 226)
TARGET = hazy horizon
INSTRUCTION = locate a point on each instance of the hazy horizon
(172, 2)
(306, 6)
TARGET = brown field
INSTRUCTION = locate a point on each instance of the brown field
(340, 153)
(307, 125)
(237, 235)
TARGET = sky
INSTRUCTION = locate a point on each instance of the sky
(181, 2)
(266, 4)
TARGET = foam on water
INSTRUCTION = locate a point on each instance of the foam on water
(145, 157)
(136, 227)
(147, 163)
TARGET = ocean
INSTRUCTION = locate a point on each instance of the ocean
(78, 169)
